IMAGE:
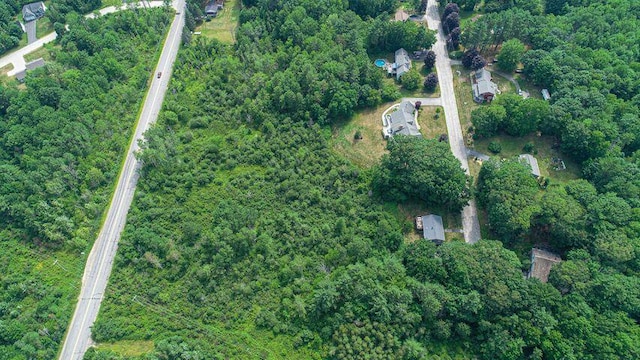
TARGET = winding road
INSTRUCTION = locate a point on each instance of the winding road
(100, 260)
(470, 223)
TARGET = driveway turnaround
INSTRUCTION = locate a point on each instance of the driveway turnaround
(470, 222)
(100, 260)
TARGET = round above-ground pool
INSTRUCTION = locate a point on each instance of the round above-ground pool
(380, 63)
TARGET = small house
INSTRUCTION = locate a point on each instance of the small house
(21, 75)
(432, 228)
(541, 263)
(212, 8)
(532, 162)
(545, 94)
(401, 65)
(33, 11)
(484, 90)
(402, 121)
(401, 15)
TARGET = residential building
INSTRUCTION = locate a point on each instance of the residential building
(484, 90)
(402, 121)
(401, 65)
(33, 11)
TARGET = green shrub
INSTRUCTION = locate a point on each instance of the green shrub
(495, 147)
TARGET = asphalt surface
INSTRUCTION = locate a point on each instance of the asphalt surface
(470, 223)
(100, 260)
(30, 27)
(17, 56)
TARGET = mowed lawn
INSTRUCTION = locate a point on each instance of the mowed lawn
(368, 150)
(222, 27)
(432, 123)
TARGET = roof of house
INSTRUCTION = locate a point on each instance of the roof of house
(35, 64)
(21, 75)
(483, 84)
(532, 162)
(211, 7)
(33, 11)
(541, 263)
(402, 121)
(402, 62)
(401, 15)
(432, 228)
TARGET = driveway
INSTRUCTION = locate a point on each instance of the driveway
(425, 101)
(30, 28)
(470, 222)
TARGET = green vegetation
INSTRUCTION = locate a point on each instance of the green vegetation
(249, 237)
(10, 30)
(367, 151)
(61, 139)
(432, 122)
(424, 169)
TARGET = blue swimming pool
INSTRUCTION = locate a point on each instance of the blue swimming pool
(380, 63)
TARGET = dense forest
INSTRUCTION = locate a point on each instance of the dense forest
(249, 238)
(62, 137)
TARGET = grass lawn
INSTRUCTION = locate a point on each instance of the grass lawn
(43, 27)
(5, 69)
(106, 3)
(222, 27)
(430, 126)
(128, 347)
(464, 96)
(43, 52)
(367, 151)
(543, 151)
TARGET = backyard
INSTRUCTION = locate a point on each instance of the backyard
(222, 27)
(542, 148)
(368, 150)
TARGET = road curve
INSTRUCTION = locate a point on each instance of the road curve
(100, 260)
(470, 222)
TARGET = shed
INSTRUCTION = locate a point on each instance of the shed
(484, 90)
(33, 11)
(401, 15)
(541, 263)
(532, 162)
(545, 94)
(432, 228)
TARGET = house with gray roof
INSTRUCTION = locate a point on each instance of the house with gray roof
(484, 90)
(532, 162)
(401, 65)
(33, 11)
(29, 66)
(402, 121)
(213, 7)
(432, 228)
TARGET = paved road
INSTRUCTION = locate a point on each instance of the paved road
(17, 56)
(100, 260)
(470, 222)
